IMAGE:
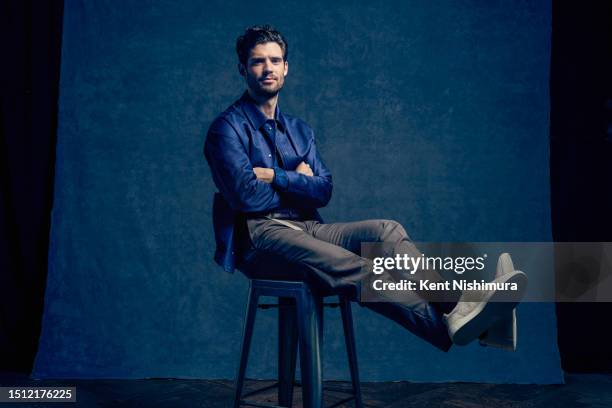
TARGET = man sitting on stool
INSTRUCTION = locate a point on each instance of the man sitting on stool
(271, 181)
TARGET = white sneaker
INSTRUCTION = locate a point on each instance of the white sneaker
(503, 332)
(469, 319)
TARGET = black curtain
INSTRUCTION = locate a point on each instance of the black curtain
(31, 47)
(581, 163)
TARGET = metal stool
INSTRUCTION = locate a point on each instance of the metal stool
(298, 306)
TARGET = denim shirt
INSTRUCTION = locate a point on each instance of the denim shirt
(242, 138)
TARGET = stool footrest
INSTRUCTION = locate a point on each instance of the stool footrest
(328, 388)
(262, 389)
(277, 306)
(342, 401)
(256, 404)
(298, 384)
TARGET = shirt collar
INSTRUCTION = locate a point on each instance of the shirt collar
(256, 116)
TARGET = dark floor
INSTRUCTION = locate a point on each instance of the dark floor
(581, 390)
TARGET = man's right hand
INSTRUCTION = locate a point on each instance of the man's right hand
(304, 168)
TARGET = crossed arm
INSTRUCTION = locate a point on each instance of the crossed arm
(254, 189)
(267, 175)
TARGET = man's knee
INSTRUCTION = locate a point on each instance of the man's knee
(391, 230)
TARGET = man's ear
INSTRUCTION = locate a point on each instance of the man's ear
(241, 69)
(286, 68)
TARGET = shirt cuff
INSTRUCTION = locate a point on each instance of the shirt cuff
(280, 181)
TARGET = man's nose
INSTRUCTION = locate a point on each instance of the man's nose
(268, 65)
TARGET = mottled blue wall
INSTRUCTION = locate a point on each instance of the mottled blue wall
(431, 113)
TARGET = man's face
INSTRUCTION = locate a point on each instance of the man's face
(266, 70)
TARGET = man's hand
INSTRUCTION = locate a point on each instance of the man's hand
(264, 174)
(304, 168)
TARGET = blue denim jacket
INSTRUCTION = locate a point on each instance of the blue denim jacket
(235, 143)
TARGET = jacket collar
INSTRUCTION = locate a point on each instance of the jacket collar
(256, 116)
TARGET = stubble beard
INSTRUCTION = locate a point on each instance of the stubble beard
(259, 90)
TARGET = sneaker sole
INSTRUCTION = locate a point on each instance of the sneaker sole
(489, 311)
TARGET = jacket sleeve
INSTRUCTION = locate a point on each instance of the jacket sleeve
(309, 191)
(233, 172)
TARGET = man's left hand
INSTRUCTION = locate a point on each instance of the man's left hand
(264, 174)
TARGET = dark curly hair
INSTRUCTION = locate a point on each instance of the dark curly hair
(259, 34)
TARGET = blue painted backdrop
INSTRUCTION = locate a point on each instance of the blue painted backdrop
(433, 114)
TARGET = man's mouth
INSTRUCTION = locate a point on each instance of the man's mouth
(268, 80)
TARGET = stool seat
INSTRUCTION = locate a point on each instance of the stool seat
(300, 323)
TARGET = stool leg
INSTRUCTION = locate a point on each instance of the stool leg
(287, 350)
(251, 311)
(319, 305)
(310, 355)
(351, 351)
